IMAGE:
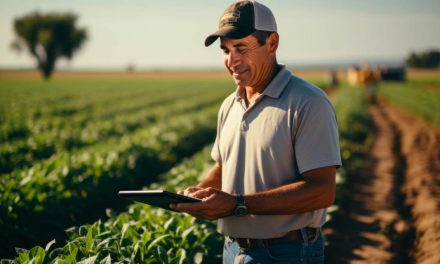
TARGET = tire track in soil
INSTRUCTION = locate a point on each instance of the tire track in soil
(391, 213)
(371, 225)
(420, 148)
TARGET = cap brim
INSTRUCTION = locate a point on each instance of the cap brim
(228, 32)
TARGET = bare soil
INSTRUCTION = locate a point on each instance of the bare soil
(391, 213)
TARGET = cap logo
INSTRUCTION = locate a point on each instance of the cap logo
(229, 18)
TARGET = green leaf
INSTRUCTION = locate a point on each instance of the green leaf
(182, 255)
(198, 258)
(187, 232)
(135, 250)
(146, 236)
(23, 255)
(21, 250)
(123, 231)
(90, 260)
(37, 254)
(72, 257)
(157, 240)
(168, 223)
(89, 239)
(106, 260)
(48, 245)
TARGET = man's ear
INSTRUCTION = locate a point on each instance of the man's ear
(272, 41)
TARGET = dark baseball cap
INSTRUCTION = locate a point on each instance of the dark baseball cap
(241, 19)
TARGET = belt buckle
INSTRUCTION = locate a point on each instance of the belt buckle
(312, 233)
(247, 243)
(243, 242)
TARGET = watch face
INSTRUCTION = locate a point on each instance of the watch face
(240, 211)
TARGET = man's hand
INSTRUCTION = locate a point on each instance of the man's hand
(215, 203)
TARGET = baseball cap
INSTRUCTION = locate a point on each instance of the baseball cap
(242, 19)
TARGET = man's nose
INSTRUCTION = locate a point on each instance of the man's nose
(233, 59)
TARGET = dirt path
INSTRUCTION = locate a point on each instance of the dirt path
(390, 213)
(420, 147)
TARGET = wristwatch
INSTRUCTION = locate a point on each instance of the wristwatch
(240, 206)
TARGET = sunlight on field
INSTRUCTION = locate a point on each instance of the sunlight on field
(306, 74)
(419, 74)
(69, 143)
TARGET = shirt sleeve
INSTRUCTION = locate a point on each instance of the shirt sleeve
(317, 138)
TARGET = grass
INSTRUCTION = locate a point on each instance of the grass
(420, 96)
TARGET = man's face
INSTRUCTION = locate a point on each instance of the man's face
(247, 61)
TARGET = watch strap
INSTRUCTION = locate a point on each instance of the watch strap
(240, 200)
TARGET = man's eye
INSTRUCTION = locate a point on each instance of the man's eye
(225, 51)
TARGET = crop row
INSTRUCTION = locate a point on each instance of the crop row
(356, 137)
(142, 234)
(70, 97)
(32, 121)
(42, 200)
(409, 95)
(24, 152)
(23, 113)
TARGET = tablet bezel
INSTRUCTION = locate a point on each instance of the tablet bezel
(150, 197)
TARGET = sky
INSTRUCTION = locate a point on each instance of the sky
(170, 33)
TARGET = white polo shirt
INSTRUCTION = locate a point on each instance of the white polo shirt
(290, 129)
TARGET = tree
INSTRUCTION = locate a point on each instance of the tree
(48, 37)
(425, 59)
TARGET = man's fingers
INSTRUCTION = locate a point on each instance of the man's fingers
(182, 210)
(203, 193)
(174, 206)
(190, 190)
(189, 207)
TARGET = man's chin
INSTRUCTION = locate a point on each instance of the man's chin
(239, 82)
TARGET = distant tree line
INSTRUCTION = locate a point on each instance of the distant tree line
(48, 37)
(424, 59)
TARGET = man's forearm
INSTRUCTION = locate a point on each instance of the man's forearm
(316, 191)
(213, 178)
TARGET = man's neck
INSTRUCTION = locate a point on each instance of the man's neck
(253, 92)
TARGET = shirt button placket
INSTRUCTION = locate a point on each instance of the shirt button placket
(244, 125)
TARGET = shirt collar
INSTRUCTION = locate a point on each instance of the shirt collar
(278, 83)
(274, 88)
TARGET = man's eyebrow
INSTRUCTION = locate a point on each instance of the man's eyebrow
(238, 45)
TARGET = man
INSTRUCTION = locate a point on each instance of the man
(369, 78)
(276, 150)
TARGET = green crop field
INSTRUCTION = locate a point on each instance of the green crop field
(68, 145)
(420, 96)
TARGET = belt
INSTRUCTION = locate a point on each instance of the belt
(290, 236)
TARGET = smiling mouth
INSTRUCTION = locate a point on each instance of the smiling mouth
(238, 73)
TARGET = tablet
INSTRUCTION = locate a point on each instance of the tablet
(157, 198)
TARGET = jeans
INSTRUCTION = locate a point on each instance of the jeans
(285, 251)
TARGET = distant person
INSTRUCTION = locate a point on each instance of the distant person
(276, 150)
(370, 79)
(334, 81)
